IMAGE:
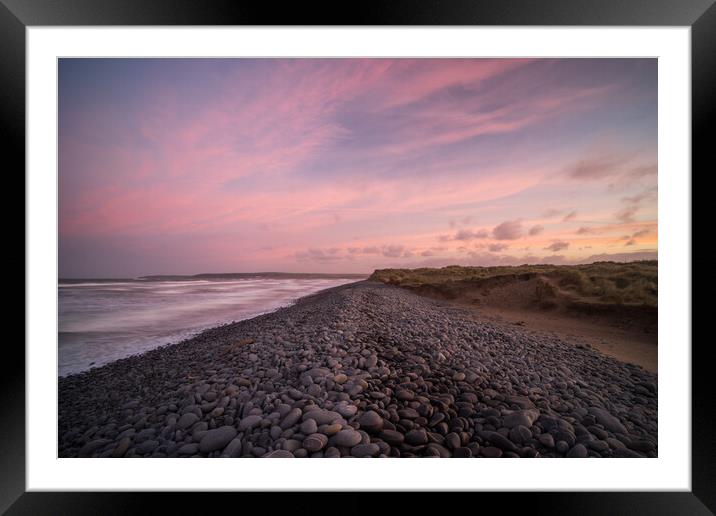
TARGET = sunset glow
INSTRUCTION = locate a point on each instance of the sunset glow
(180, 166)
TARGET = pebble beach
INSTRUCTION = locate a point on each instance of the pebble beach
(362, 370)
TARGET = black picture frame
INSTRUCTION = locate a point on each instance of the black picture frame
(17, 15)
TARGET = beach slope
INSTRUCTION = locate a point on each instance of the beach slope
(362, 370)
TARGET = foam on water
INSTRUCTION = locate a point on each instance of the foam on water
(101, 322)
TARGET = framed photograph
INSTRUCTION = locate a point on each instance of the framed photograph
(451, 232)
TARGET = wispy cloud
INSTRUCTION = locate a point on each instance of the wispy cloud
(536, 229)
(597, 167)
(496, 248)
(319, 255)
(557, 246)
(633, 203)
(569, 216)
(551, 213)
(469, 234)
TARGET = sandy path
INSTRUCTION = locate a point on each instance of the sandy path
(628, 346)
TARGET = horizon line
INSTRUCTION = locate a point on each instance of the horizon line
(338, 274)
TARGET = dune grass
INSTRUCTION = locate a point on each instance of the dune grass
(634, 283)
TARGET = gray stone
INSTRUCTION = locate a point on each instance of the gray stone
(598, 446)
(500, 441)
(365, 450)
(490, 452)
(217, 439)
(147, 447)
(598, 432)
(233, 449)
(346, 438)
(453, 440)
(321, 417)
(188, 449)
(416, 437)
(392, 437)
(249, 422)
(275, 432)
(405, 395)
(562, 447)
(279, 454)
(291, 445)
(291, 418)
(330, 430)
(243, 382)
(91, 447)
(371, 421)
(187, 420)
(437, 418)
(462, 453)
(408, 413)
(122, 447)
(192, 409)
(615, 443)
(443, 452)
(331, 453)
(607, 420)
(520, 434)
(309, 426)
(578, 451)
(525, 418)
(642, 445)
(546, 440)
(315, 442)
(346, 409)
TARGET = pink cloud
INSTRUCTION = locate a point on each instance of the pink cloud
(536, 230)
(570, 216)
(557, 246)
(508, 230)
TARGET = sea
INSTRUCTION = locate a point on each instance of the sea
(100, 321)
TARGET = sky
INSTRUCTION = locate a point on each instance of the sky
(184, 166)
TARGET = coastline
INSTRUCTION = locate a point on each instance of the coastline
(209, 330)
(100, 322)
(362, 369)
